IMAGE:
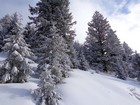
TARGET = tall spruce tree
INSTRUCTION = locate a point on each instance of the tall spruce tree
(94, 45)
(16, 67)
(80, 57)
(103, 49)
(128, 52)
(58, 58)
(77, 47)
(83, 64)
(45, 94)
(135, 73)
(48, 11)
(114, 54)
(127, 57)
(5, 28)
(52, 71)
(29, 32)
(53, 39)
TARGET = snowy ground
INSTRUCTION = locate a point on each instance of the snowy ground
(17, 94)
(82, 88)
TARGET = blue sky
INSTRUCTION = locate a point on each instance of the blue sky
(123, 16)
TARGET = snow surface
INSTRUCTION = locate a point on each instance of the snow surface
(85, 88)
(17, 93)
(81, 88)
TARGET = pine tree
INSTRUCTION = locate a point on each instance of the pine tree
(127, 57)
(135, 73)
(53, 39)
(128, 51)
(45, 94)
(16, 67)
(103, 49)
(80, 57)
(52, 71)
(83, 64)
(94, 45)
(48, 11)
(115, 53)
(42, 20)
(77, 47)
(5, 29)
(29, 31)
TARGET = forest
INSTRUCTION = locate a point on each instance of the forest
(48, 39)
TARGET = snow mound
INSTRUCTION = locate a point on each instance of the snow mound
(17, 93)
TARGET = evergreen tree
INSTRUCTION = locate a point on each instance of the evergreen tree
(16, 67)
(80, 57)
(45, 94)
(52, 71)
(58, 58)
(128, 52)
(48, 11)
(83, 64)
(115, 53)
(42, 21)
(77, 47)
(5, 28)
(127, 57)
(94, 45)
(29, 31)
(103, 49)
(135, 73)
(53, 41)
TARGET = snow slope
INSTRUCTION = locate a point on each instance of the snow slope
(84, 88)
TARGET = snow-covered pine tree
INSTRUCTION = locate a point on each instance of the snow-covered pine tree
(77, 47)
(5, 28)
(58, 12)
(128, 51)
(47, 47)
(16, 67)
(81, 60)
(94, 45)
(29, 31)
(127, 57)
(64, 24)
(135, 73)
(58, 60)
(45, 94)
(83, 64)
(52, 72)
(114, 53)
(43, 16)
(74, 60)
